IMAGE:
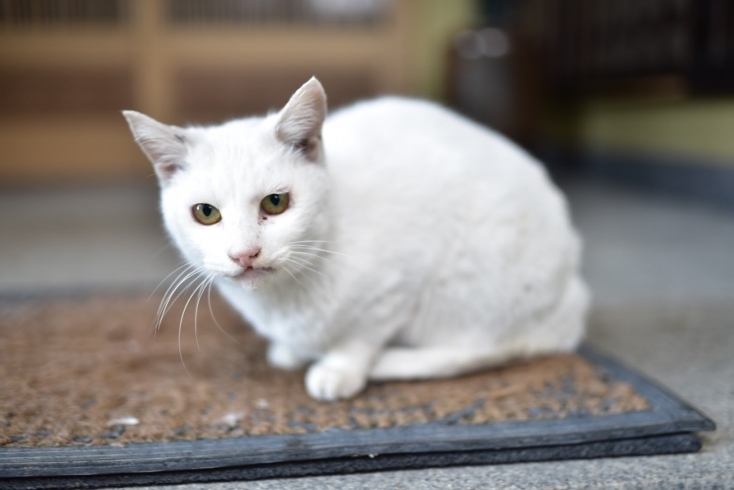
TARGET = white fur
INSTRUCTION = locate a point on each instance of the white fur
(435, 246)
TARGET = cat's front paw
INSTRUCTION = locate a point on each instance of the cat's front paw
(329, 383)
(283, 357)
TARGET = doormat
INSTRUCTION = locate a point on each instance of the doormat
(91, 396)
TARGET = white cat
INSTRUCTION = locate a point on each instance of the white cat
(392, 240)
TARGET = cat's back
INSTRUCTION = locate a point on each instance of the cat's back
(413, 170)
(408, 151)
(417, 142)
(389, 124)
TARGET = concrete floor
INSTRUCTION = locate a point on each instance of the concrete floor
(662, 273)
(85, 238)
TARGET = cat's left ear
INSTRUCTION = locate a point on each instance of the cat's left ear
(299, 122)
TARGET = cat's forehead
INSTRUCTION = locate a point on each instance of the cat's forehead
(249, 134)
(242, 156)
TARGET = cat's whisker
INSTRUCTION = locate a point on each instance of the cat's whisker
(305, 259)
(298, 271)
(294, 277)
(308, 247)
(163, 307)
(310, 241)
(201, 287)
(180, 327)
(191, 274)
(211, 312)
(169, 300)
(174, 283)
(301, 262)
(323, 257)
(180, 353)
(305, 266)
(169, 275)
(172, 286)
(160, 251)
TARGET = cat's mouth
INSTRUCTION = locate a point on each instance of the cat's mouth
(254, 273)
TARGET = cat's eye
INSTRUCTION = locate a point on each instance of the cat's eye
(206, 214)
(275, 203)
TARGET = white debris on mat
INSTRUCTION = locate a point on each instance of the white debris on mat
(262, 403)
(123, 421)
(232, 418)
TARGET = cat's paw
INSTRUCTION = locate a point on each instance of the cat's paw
(283, 357)
(329, 383)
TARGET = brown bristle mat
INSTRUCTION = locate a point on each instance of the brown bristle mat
(91, 372)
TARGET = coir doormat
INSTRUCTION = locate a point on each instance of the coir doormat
(90, 397)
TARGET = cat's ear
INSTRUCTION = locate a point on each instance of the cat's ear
(165, 146)
(299, 122)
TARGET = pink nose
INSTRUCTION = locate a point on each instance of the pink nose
(246, 258)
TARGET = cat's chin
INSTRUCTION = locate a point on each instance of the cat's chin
(253, 279)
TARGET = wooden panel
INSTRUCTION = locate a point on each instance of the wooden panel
(153, 94)
(275, 46)
(57, 91)
(211, 96)
(253, 12)
(78, 48)
(54, 13)
(64, 150)
(62, 82)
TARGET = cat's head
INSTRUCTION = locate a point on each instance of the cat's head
(236, 198)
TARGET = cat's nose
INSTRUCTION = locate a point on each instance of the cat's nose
(246, 258)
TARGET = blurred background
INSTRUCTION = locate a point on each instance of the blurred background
(629, 103)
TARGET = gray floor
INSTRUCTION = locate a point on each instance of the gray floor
(662, 273)
(82, 238)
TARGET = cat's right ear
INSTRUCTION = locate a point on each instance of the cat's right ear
(299, 122)
(165, 146)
